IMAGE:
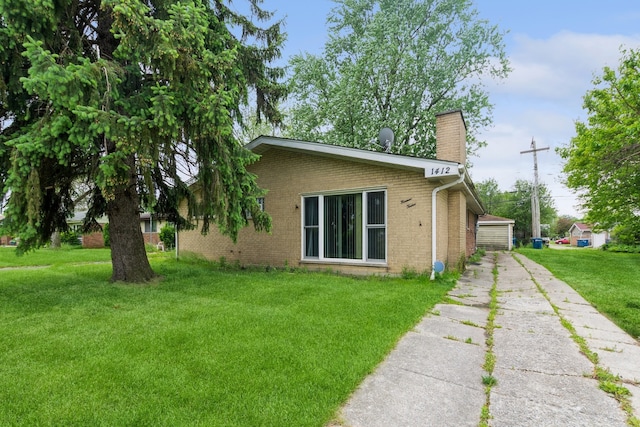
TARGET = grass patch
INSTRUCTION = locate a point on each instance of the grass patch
(204, 346)
(470, 323)
(489, 362)
(607, 381)
(47, 257)
(602, 374)
(489, 380)
(477, 256)
(449, 300)
(608, 280)
(490, 357)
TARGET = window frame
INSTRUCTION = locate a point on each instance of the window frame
(149, 226)
(365, 260)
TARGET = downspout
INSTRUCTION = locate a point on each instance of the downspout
(434, 227)
(177, 241)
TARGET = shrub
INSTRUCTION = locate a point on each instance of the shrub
(105, 236)
(626, 235)
(611, 247)
(70, 238)
(409, 273)
(168, 236)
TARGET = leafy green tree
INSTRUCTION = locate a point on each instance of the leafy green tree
(603, 159)
(131, 97)
(516, 204)
(491, 196)
(563, 224)
(252, 127)
(626, 235)
(396, 63)
(518, 207)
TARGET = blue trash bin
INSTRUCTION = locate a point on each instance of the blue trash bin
(582, 243)
(537, 243)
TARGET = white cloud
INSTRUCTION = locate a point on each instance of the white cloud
(542, 99)
(561, 68)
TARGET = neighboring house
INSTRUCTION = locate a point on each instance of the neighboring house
(581, 232)
(150, 225)
(357, 211)
(4, 240)
(94, 239)
(495, 233)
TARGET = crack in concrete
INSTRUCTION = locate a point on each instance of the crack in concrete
(443, 380)
(552, 374)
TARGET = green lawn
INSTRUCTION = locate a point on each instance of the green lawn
(203, 346)
(610, 281)
(65, 255)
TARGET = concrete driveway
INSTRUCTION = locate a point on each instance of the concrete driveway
(436, 375)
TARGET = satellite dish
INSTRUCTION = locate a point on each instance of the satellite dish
(438, 266)
(386, 139)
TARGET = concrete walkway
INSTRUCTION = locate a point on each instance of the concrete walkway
(434, 377)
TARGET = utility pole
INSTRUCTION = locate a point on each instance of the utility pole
(535, 199)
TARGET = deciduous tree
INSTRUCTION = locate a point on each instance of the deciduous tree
(603, 159)
(491, 196)
(516, 204)
(563, 224)
(518, 207)
(130, 97)
(396, 63)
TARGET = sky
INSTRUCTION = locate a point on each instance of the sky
(555, 48)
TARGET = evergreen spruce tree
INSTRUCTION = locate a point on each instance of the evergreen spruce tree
(130, 98)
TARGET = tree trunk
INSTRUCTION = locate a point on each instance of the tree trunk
(128, 255)
(55, 240)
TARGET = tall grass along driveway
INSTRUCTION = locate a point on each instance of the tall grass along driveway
(609, 281)
(203, 346)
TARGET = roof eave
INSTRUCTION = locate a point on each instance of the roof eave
(442, 171)
(496, 222)
(433, 169)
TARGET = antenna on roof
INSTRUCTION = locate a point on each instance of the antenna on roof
(385, 137)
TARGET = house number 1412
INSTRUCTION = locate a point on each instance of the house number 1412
(441, 171)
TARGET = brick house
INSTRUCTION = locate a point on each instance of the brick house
(357, 211)
(4, 240)
(150, 225)
(92, 239)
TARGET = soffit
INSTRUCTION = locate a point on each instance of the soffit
(432, 169)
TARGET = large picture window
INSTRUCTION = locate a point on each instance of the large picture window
(345, 226)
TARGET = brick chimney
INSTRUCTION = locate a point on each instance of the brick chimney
(451, 137)
(451, 145)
